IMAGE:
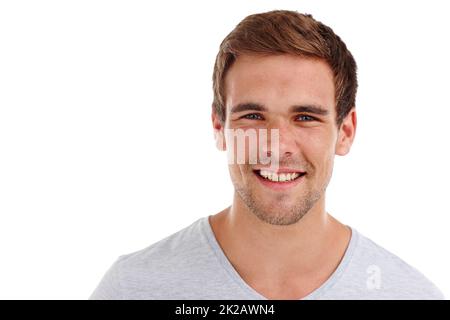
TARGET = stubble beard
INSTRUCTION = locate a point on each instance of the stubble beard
(279, 213)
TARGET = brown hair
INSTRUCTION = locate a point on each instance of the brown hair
(288, 32)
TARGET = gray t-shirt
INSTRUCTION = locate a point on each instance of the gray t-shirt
(190, 264)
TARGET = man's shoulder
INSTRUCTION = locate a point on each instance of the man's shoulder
(156, 271)
(385, 272)
(172, 247)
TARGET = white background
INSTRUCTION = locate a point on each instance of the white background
(106, 144)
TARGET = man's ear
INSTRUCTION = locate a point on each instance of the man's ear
(218, 127)
(346, 133)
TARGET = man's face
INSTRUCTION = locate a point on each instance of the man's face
(296, 96)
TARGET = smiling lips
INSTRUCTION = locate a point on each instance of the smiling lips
(280, 176)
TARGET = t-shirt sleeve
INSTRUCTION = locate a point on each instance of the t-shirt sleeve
(109, 287)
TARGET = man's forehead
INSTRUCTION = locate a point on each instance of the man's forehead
(282, 66)
(286, 79)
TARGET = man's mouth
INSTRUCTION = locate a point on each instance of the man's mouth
(279, 176)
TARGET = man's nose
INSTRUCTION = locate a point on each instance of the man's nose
(281, 142)
(287, 142)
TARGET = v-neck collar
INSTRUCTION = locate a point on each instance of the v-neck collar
(253, 294)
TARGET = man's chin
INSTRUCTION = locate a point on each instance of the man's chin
(274, 208)
(279, 215)
(279, 219)
(280, 202)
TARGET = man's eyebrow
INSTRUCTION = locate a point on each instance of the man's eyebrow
(310, 108)
(252, 106)
(248, 106)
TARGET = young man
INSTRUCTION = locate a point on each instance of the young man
(283, 71)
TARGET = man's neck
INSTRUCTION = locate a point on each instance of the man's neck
(269, 256)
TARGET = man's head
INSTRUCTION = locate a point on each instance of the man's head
(284, 70)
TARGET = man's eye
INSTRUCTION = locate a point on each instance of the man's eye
(304, 117)
(252, 116)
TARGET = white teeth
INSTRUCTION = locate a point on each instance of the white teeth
(264, 173)
(272, 176)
